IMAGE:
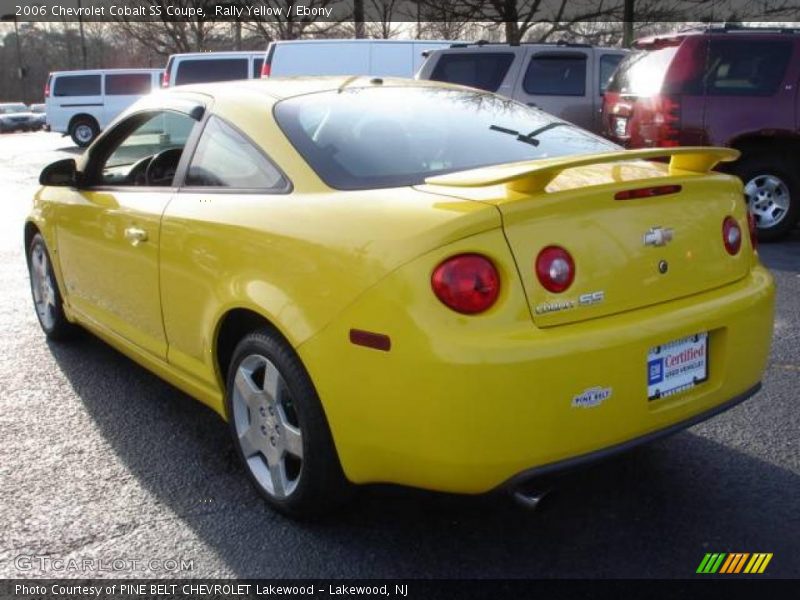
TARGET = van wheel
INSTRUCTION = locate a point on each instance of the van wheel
(280, 430)
(772, 191)
(83, 131)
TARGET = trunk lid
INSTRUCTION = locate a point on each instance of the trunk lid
(622, 259)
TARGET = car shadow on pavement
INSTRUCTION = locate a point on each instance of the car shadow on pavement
(652, 512)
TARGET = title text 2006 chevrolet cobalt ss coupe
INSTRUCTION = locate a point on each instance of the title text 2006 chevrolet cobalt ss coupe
(408, 282)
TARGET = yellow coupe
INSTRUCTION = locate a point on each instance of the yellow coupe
(393, 281)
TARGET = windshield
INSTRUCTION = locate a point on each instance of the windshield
(8, 109)
(365, 138)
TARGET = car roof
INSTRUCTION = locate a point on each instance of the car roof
(280, 88)
(674, 39)
(358, 41)
(101, 71)
(221, 54)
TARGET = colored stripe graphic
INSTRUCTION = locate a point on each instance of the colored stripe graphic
(734, 562)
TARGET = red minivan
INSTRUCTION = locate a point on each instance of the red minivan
(734, 87)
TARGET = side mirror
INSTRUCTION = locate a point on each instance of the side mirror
(63, 173)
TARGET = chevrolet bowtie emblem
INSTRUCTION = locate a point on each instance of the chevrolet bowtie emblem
(658, 236)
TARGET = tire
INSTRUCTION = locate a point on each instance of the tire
(772, 190)
(83, 131)
(280, 430)
(46, 296)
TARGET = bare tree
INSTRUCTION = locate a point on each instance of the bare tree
(382, 18)
(284, 22)
(167, 35)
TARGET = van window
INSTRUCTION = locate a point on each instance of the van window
(225, 158)
(608, 63)
(257, 64)
(482, 70)
(556, 75)
(216, 69)
(128, 84)
(752, 69)
(77, 85)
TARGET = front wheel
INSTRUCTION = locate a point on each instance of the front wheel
(280, 429)
(772, 191)
(46, 297)
(83, 131)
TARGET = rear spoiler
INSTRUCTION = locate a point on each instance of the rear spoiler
(533, 176)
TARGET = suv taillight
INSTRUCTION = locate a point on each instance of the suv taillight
(667, 120)
(467, 283)
(165, 79)
(266, 69)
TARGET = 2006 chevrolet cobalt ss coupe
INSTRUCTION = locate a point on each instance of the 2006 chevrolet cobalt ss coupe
(387, 281)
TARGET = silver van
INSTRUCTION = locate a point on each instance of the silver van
(564, 79)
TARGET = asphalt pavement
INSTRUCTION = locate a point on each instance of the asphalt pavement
(102, 461)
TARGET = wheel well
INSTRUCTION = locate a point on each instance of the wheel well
(30, 231)
(82, 116)
(754, 145)
(236, 324)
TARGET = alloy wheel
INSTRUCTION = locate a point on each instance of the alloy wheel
(768, 199)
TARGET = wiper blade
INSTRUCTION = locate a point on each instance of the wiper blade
(520, 137)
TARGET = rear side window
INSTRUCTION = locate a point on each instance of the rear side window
(482, 70)
(77, 85)
(128, 84)
(753, 68)
(608, 63)
(226, 159)
(556, 75)
(218, 69)
(257, 64)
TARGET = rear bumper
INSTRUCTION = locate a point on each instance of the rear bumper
(470, 409)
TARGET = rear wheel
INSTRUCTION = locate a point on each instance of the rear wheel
(280, 430)
(772, 190)
(83, 130)
(46, 297)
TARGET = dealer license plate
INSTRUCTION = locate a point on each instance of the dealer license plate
(677, 366)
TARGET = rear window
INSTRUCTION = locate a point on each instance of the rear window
(608, 64)
(552, 74)
(77, 85)
(482, 70)
(754, 68)
(217, 69)
(363, 138)
(128, 84)
(642, 73)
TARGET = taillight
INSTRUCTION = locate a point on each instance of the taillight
(266, 69)
(647, 192)
(555, 269)
(47, 88)
(667, 120)
(731, 235)
(165, 79)
(751, 226)
(467, 283)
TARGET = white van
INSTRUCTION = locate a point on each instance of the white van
(379, 58)
(82, 103)
(204, 67)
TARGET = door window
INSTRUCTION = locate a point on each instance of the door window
(482, 70)
(148, 152)
(77, 85)
(224, 158)
(556, 74)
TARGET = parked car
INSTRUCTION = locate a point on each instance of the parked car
(16, 116)
(40, 112)
(379, 280)
(82, 103)
(207, 67)
(564, 79)
(733, 87)
(378, 58)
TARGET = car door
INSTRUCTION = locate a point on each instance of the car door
(108, 230)
(558, 81)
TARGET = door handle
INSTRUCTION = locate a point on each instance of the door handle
(135, 235)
